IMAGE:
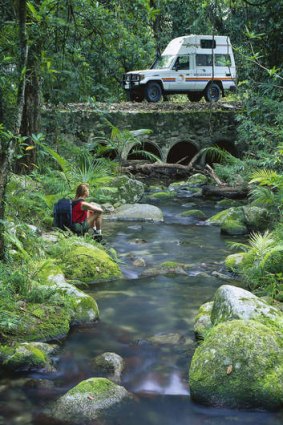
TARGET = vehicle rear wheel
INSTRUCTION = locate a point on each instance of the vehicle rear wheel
(153, 92)
(212, 92)
(194, 97)
(135, 96)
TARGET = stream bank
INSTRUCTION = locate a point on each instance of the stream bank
(147, 320)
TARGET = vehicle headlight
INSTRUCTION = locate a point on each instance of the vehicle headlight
(141, 77)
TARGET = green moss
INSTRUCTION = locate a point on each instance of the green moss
(53, 323)
(233, 227)
(234, 213)
(93, 386)
(88, 264)
(26, 356)
(194, 213)
(162, 195)
(239, 364)
(228, 203)
(171, 265)
(233, 262)
(197, 179)
(203, 320)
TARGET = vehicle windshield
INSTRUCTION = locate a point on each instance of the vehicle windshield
(163, 62)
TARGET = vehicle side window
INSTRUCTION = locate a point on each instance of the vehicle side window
(204, 60)
(183, 62)
(207, 44)
(222, 60)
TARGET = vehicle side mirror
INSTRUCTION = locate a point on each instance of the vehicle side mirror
(175, 68)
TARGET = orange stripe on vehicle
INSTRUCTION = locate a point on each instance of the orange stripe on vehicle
(168, 79)
(209, 79)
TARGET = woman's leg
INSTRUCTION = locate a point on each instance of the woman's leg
(94, 219)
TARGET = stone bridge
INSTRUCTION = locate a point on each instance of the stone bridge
(177, 132)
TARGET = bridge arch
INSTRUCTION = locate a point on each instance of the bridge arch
(182, 153)
(226, 145)
(139, 151)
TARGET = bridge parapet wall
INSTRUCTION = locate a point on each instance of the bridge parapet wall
(199, 129)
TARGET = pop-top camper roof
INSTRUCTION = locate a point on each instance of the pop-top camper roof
(200, 43)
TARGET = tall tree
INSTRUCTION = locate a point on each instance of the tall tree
(8, 139)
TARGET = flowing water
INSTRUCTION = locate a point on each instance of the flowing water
(146, 320)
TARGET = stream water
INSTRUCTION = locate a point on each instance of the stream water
(146, 320)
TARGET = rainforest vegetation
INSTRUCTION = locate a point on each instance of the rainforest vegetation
(54, 53)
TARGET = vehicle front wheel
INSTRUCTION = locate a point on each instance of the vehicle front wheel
(153, 92)
(135, 96)
(212, 92)
(194, 97)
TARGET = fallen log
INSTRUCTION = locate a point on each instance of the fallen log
(225, 192)
(159, 168)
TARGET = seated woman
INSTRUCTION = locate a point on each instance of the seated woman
(86, 215)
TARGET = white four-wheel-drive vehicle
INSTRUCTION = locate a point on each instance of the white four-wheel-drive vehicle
(196, 65)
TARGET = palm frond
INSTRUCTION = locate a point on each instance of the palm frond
(270, 253)
(267, 178)
(263, 196)
(220, 155)
(261, 243)
(238, 245)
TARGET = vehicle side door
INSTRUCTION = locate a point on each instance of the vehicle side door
(204, 70)
(183, 74)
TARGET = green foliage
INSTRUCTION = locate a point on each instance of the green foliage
(261, 268)
(119, 141)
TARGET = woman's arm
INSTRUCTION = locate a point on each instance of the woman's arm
(91, 206)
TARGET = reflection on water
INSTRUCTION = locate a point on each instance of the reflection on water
(146, 320)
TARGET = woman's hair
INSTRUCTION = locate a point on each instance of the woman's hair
(82, 189)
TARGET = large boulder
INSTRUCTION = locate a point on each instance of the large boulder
(83, 307)
(256, 218)
(28, 356)
(203, 320)
(231, 302)
(239, 364)
(234, 213)
(136, 212)
(122, 190)
(241, 220)
(85, 262)
(89, 400)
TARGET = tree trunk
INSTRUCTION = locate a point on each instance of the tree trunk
(31, 110)
(7, 146)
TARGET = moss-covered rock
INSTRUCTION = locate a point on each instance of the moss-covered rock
(28, 356)
(136, 212)
(233, 228)
(194, 213)
(167, 268)
(122, 190)
(88, 263)
(228, 203)
(234, 220)
(231, 302)
(111, 365)
(89, 400)
(161, 195)
(256, 218)
(203, 320)
(233, 261)
(83, 307)
(234, 213)
(239, 364)
(197, 179)
(44, 322)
